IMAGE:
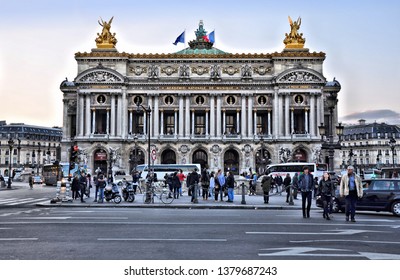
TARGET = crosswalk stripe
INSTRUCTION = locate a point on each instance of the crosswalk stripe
(16, 201)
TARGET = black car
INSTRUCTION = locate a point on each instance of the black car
(378, 195)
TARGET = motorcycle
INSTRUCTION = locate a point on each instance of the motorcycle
(111, 192)
(128, 192)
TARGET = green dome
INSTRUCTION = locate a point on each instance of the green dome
(201, 51)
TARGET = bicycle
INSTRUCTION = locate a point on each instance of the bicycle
(163, 194)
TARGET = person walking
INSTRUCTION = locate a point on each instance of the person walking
(30, 180)
(230, 184)
(205, 183)
(326, 191)
(222, 183)
(194, 180)
(295, 184)
(351, 189)
(278, 184)
(266, 183)
(75, 187)
(176, 184)
(101, 183)
(182, 178)
(286, 183)
(82, 185)
(212, 185)
(306, 185)
(253, 184)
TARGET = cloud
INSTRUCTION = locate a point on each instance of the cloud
(382, 115)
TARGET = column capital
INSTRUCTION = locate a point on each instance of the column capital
(93, 109)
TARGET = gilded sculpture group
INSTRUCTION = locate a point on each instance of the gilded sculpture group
(293, 40)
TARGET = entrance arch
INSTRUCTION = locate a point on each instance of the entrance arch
(100, 160)
(136, 157)
(231, 161)
(299, 155)
(168, 157)
(200, 157)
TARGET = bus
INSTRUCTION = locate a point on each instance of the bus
(317, 169)
(390, 172)
(162, 169)
(51, 174)
(371, 174)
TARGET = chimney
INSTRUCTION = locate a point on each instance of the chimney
(361, 122)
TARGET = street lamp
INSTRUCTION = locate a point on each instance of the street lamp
(148, 113)
(19, 152)
(10, 146)
(392, 145)
(330, 145)
(38, 164)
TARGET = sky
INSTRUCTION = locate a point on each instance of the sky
(39, 39)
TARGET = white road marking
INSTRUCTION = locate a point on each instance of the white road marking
(18, 239)
(346, 241)
(161, 239)
(333, 232)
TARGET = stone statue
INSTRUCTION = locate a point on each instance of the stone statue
(106, 40)
(294, 39)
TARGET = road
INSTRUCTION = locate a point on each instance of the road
(39, 233)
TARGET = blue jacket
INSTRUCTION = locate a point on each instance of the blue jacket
(303, 187)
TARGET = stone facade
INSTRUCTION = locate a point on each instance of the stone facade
(222, 110)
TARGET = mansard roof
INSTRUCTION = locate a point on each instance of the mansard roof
(371, 128)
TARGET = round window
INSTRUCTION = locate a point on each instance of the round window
(169, 100)
(262, 100)
(138, 100)
(231, 100)
(101, 99)
(299, 99)
(200, 100)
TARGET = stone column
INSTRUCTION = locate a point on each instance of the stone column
(130, 121)
(287, 111)
(175, 122)
(280, 113)
(162, 122)
(254, 124)
(207, 112)
(250, 117)
(291, 120)
(93, 120)
(243, 128)
(181, 112)
(119, 116)
(306, 120)
(81, 114)
(187, 116)
(275, 112)
(193, 120)
(112, 115)
(312, 114)
(218, 124)
(321, 99)
(124, 114)
(212, 115)
(156, 116)
(87, 115)
(237, 121)
(269, 123)
(108, 121)
(65, 128)
(224, 122)
(318, 97)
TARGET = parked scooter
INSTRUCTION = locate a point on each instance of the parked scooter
(111, 192)
(128, 192)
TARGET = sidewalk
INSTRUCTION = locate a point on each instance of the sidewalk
(251, 202)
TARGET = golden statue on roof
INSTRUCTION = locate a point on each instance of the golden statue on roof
(106, 40)
(294, 40)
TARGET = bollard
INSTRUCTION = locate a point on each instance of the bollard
(196, 190)
(291, 195)
(243, 194)
(57, 198)
(67, 198)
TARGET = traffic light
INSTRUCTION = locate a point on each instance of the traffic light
(73, 154)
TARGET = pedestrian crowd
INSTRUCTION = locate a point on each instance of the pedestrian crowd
(219, 185)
